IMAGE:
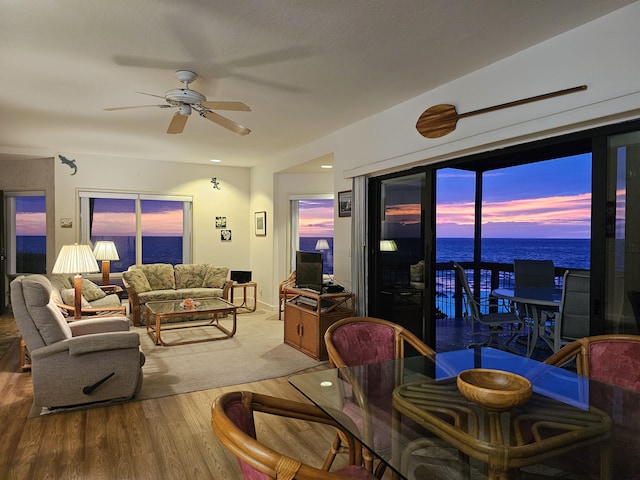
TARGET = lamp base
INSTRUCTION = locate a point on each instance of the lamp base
(106, 270)
(77, 307)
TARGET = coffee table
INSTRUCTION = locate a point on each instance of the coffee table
(208, 309)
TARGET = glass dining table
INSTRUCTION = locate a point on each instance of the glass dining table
(411, 415)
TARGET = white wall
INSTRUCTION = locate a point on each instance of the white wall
(144, 176)
(602, 54)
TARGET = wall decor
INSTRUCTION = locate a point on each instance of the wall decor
(260, 223)
(71, 163)
(344, 203)
(440, 120)
(221, 222)
(216, 184)
(225, 235)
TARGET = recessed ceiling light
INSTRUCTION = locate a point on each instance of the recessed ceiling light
(215, 160)
(326, 166)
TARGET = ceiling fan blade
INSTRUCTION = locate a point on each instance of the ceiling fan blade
(236, 106)
(137, 106)
(177, 123)
(225, 122)
(151, 95)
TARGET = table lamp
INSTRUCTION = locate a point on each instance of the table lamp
(106, 251)
(76, 259)
(322, 244)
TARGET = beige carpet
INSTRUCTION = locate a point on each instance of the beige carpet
(255, 352)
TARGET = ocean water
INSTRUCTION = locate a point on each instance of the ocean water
(569, 253)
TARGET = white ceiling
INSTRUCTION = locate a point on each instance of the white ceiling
(305, 67)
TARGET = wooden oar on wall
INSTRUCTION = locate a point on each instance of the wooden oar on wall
(440, 120)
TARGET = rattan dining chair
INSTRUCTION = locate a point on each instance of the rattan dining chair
(612, 359)
(233, 422)
(365, 340)
(283, 296)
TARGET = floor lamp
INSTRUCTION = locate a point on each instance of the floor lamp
(76, 259)
(106, 251)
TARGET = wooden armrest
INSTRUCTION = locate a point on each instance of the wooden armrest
(121, 309)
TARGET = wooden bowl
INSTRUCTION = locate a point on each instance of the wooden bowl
(494, 389)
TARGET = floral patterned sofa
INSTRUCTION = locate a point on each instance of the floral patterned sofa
(163, 281)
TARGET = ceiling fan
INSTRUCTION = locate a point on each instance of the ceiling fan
(187, 100)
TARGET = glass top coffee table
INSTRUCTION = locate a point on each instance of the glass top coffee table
(171, 315)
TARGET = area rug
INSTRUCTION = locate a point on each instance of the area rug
(256, 352)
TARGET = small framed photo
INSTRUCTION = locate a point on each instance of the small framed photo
(225, 235)
(344, 203)
(260, 221)
(221, 222)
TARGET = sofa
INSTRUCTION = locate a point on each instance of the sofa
(163, 281)
(93, 360)
(96, 300)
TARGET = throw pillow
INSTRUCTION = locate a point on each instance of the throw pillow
(159, 275)
(137, 280)
(91, 291)
(215, 277)
(191, 275)
(69, 298)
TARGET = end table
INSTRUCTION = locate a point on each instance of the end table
(244, 287)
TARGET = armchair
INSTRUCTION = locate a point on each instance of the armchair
(82, 362)
(290, 281)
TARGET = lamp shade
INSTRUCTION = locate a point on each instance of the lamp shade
(322, 244)
(105, 250)
(75, 259)
(388, 246)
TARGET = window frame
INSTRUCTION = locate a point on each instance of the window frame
(187, 218)
(11, 227)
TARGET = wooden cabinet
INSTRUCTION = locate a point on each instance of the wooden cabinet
(307, 315)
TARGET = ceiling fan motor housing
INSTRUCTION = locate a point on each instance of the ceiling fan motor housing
(179, 96)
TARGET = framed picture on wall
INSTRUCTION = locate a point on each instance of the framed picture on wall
(221, 222)
(225, 235)
(344, 203)
(260, 223)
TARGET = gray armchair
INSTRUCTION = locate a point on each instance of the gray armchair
(81, 362)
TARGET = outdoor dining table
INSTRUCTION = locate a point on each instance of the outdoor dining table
(409, 413)
(533, 298)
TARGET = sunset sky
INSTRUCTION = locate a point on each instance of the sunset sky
(549, 199)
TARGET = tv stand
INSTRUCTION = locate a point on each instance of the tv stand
(308, 314)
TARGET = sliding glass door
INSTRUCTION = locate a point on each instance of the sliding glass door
(622, 235)
(399, 251)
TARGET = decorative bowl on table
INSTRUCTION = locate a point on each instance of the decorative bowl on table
(494, 389)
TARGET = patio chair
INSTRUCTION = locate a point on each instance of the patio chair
(494, 325)
(534, 274)
(233, 422)
(572, 321)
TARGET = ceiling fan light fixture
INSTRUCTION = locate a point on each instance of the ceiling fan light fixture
(185, 110)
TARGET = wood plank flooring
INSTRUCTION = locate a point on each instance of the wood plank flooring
(163, 438)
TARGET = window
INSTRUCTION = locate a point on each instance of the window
(26, 232)
(312, 228)
(145, 228)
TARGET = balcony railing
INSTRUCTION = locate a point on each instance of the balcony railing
(449, 296)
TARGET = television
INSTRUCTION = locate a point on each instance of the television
(309, 270)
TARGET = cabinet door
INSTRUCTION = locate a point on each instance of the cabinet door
(291, 325)
(310, 340)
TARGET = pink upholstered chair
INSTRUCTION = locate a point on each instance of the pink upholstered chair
(364, 340)
(613, 360)
(232, 420)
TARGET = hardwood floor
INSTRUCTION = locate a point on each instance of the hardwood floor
(164, 438)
